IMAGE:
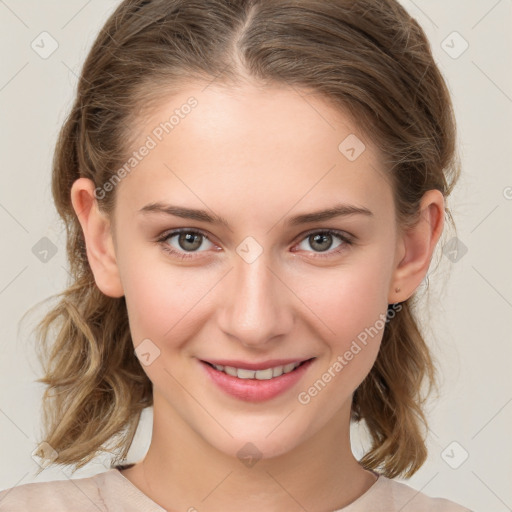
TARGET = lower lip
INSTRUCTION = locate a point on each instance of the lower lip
(254, 390)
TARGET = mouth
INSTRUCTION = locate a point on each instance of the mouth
(265, 371)
(256, 384)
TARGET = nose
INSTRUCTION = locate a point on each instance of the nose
(256, 305)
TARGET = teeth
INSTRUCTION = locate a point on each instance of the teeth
(230, 371)
(278, 370)
(266, 374)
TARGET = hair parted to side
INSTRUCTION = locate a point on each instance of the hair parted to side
(369, 58)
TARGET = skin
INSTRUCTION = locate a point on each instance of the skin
(256, 157)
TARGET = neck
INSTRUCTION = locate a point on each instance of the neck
(182, 471)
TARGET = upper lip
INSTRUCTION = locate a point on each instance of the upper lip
(271, 363)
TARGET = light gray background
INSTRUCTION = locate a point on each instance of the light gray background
(469, 313)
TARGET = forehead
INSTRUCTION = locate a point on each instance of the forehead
(237, 146)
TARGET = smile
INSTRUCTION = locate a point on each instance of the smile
(259, 384)
(265, 374)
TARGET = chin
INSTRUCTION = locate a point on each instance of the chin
(253, 446)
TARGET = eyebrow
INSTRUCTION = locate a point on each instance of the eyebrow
(339, 210)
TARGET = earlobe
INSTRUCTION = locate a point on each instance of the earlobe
(96, 228)
(417, 246)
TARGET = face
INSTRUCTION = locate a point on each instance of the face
(252, 279)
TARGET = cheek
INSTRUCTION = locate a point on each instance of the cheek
(168, 302)
(351, 305)
(348, 300)
(356, 313)
(163, 302)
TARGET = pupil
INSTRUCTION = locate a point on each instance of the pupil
(320, 237)
(188, 238)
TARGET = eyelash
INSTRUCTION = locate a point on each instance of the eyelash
(347, 241)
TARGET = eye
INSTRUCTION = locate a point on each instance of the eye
(323, 241)
(182, 241)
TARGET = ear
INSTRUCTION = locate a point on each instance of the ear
(98, 238)
(416, 246)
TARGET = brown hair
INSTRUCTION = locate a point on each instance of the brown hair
(367, 57)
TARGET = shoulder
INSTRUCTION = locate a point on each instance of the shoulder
(412, 500)
(83, 494)
(103, 492)
(388, 495)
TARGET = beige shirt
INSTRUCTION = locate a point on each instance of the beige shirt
(110, 491)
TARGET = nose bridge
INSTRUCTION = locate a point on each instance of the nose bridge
(255, 307)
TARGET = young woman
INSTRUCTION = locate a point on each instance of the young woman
(253, 191)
